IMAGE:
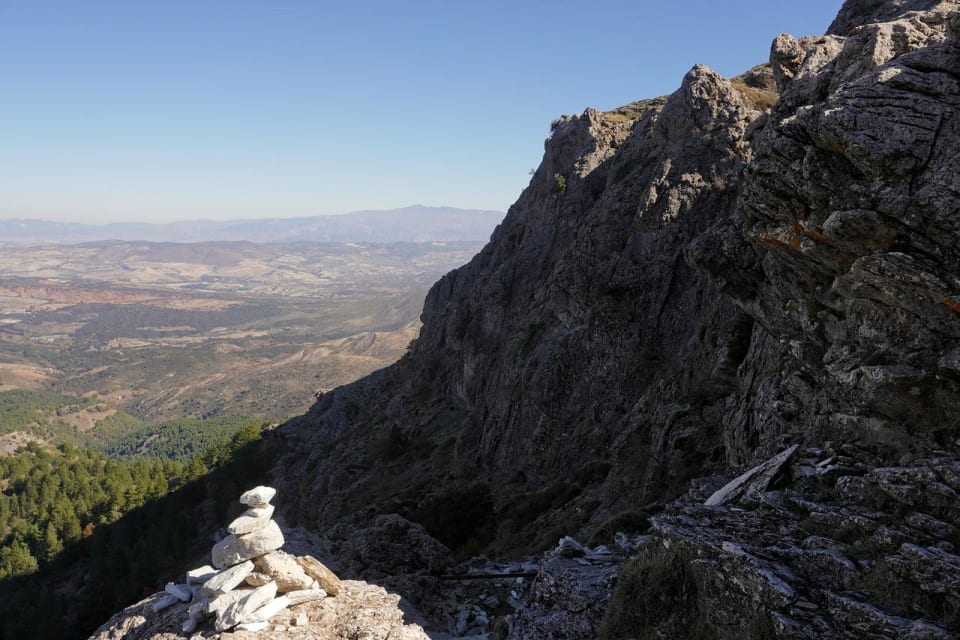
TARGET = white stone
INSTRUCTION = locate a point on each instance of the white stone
(754, 480)
(257, 579)
(164, 602)
(228, 579)
(252, 626)
(219, 604)
(251, 520)
(180, 592)
(269, 610)
(258, 496)
(305, 595)
(242, 608)
(235, 549)
(200, 574)
(196, 614)
(301, 620)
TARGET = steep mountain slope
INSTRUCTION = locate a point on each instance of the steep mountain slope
(578, 338)
(681, 291)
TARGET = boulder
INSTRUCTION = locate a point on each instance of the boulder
(235, 549)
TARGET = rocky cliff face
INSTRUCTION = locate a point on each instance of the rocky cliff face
(688, 286)
(691, 282)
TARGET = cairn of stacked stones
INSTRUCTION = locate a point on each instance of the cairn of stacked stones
(251, 581)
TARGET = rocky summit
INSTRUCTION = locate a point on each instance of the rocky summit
(716, 341)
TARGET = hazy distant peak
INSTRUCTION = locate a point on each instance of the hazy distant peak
(414, 223)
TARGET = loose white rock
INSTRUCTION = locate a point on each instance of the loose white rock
(164, 603)
(327, 579)
(219, 604)
(195, 617)
(301, 620)
(305, 595)
(181, 593)
(228, 579)
(269, 610)
(200, 574)
(242, 608)
(235, 549)
(251, 520)
(258, 496)
(252, 626)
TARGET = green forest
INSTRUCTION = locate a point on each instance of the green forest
(82, 534)
(96, 503)
(52, 498)
(48, 416)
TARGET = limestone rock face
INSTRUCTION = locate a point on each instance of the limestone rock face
(235, 549)
(709, 284)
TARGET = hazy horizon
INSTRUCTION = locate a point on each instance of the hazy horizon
(12, 218)
(243, 109)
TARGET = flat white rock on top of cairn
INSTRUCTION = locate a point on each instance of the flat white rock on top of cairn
(258, 496)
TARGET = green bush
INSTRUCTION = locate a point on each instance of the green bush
(656, 584)
(560, 183)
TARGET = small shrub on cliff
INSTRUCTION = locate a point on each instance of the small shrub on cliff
(654, 586)
(559, 183)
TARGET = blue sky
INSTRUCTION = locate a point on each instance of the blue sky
(162, 110)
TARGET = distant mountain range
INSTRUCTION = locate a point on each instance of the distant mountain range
(417, 223)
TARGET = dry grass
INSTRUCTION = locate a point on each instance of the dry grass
(763, 99)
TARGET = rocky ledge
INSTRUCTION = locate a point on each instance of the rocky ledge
(255, 588)
(827, 542)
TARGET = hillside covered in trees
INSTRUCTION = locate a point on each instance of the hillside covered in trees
(80, 532)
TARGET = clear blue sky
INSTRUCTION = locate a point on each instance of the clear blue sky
(162, 110)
